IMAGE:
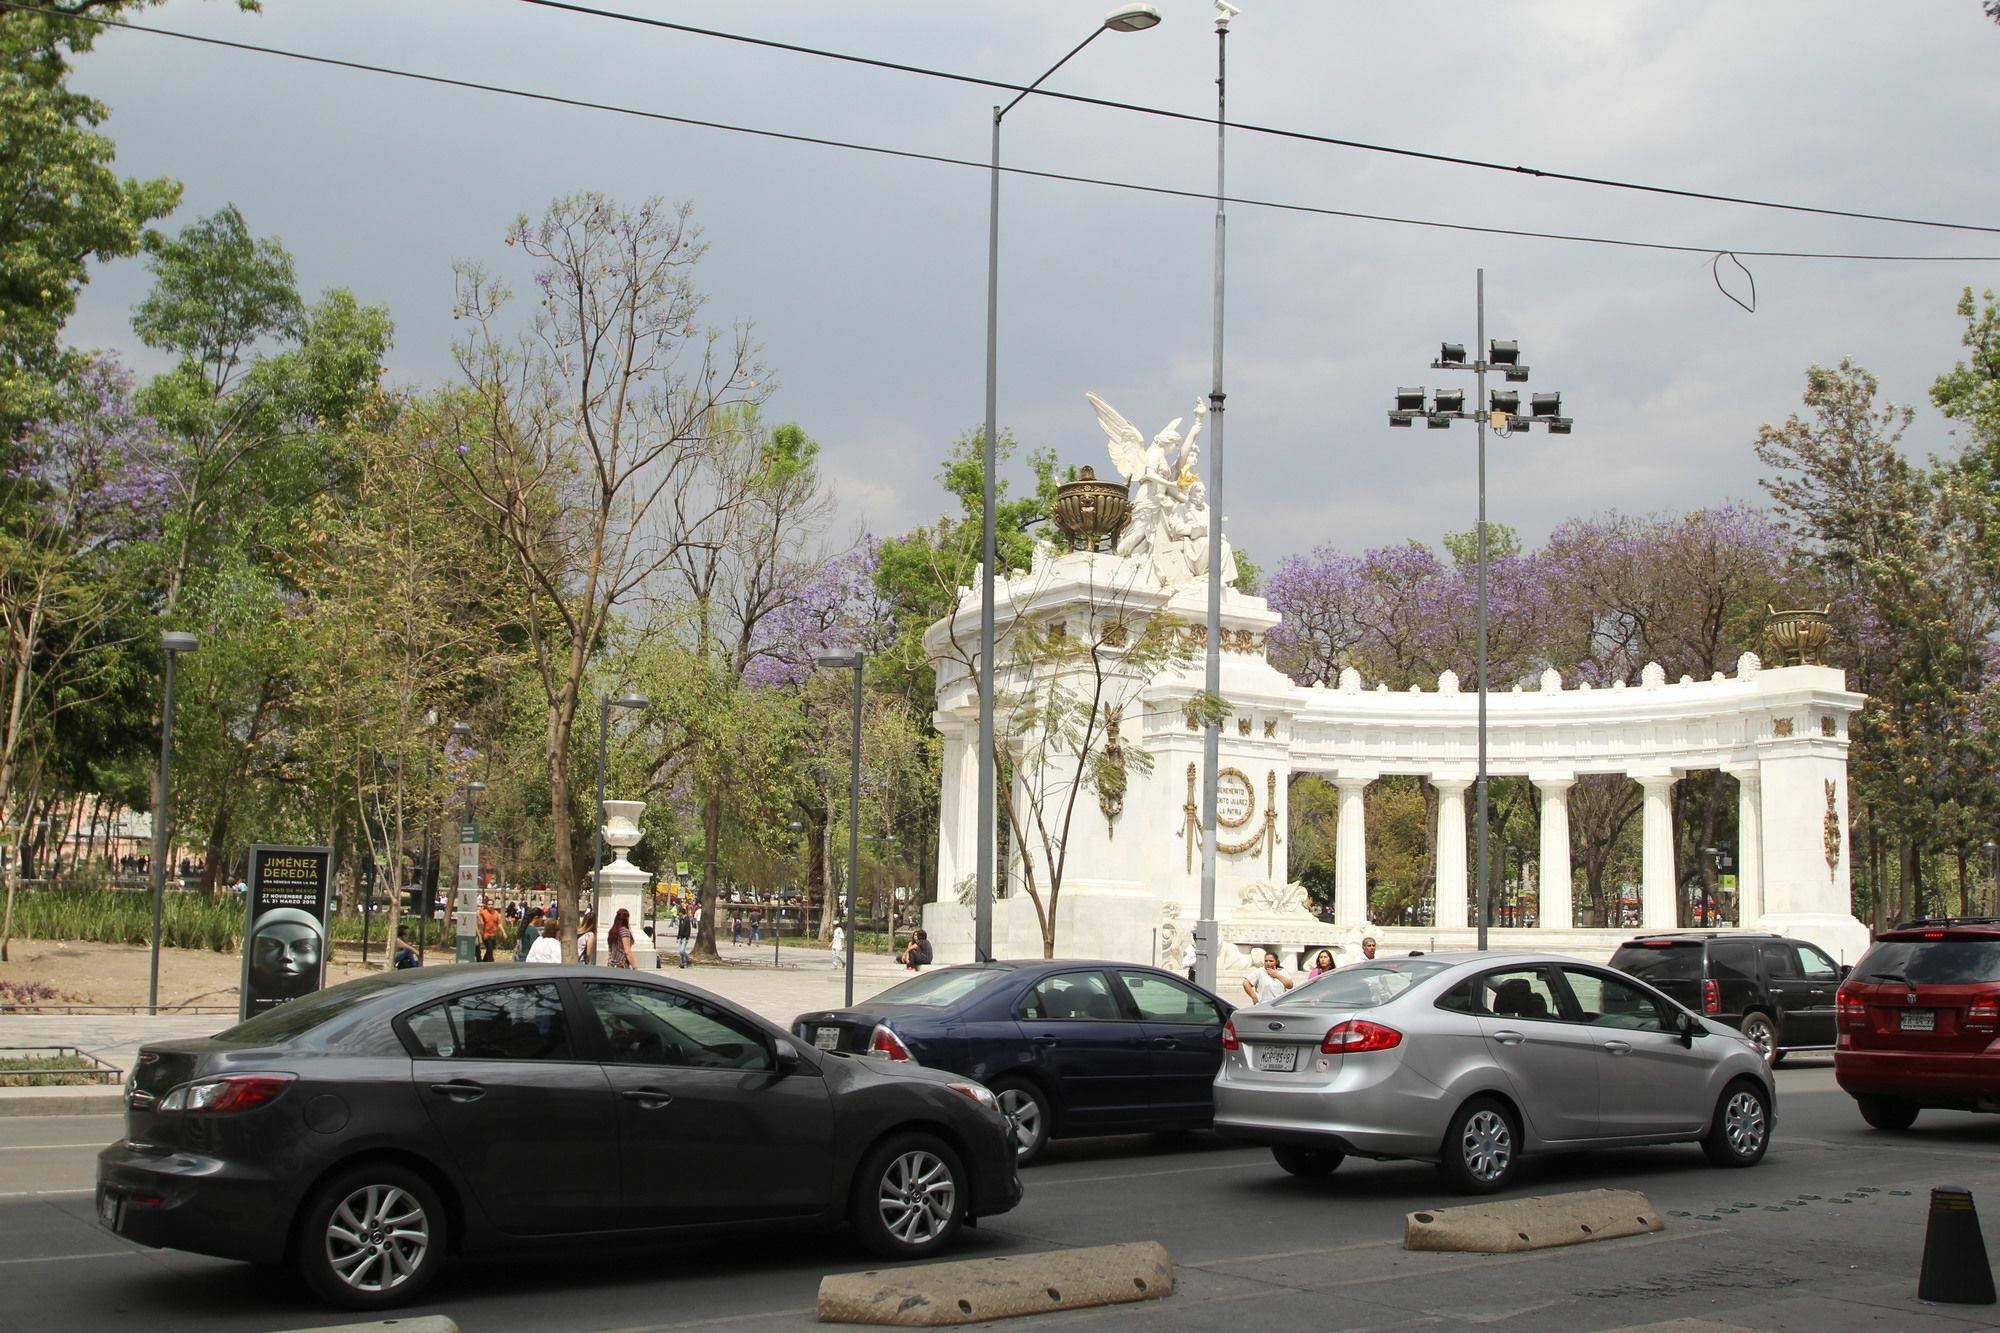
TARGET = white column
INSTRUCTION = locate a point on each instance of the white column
(1556, 911)
(1749, 846)
(1451, 883)
(1659, 896)
(1350, 866)
(958, 811)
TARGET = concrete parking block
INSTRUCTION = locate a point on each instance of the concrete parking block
(1532, 1224)
(62, 1101)
(971, 1291)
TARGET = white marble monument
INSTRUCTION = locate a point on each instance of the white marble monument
(1132, 859)
(622, 884)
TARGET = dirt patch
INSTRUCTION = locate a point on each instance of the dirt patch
(118, 974)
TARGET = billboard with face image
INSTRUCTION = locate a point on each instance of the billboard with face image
(285, 927)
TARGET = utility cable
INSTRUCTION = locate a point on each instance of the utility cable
(942, 160)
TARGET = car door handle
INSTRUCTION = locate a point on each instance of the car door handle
(1166, 1041)
(1618, 1047)
(649, 1099)
(1509, 1037)
(459, 1090)
(1044, 1040)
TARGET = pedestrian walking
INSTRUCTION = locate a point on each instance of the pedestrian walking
(756, 921)
(1190, 958)
(489, 929)
(735, 928)
(1266, 982)
(619, 939)
(1322, 964)
(547, 948)
(586, 939)
(684, 937)
(839, 947)
(531, 930)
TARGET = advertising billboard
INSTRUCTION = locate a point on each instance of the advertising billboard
(285, 939)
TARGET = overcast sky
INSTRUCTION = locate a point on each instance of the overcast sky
(865, 275)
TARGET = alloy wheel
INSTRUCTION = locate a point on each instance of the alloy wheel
(377, 1238)
(917, 1197)
(1488, 1145)
(1024, 1118)
(1744, 1124)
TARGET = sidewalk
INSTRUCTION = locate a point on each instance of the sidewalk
(801, 979)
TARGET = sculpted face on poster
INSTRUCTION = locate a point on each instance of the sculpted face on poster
(285, 930)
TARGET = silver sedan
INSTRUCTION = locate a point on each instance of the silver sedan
(1474, 1060)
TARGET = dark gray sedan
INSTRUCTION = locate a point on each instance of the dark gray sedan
(1474, 1060)
(365, 1132)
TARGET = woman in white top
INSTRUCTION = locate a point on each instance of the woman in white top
(547, 948)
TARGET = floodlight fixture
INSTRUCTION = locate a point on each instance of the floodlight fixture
(1517, 374)
(1504, 353)
(1558, 425)
(1132, 18)
(1505, 400)
(1547, 404)
(1450, 400)
(1410, 400)
(1451, 354)
(1436, 422)
(1401, 418)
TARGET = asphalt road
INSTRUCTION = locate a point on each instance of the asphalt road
(1825, 1235)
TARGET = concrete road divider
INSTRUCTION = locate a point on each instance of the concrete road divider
(970, 1291)
(1532, 1224)
(421, 1323)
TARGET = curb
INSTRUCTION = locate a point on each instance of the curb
(1533, 1224)
(62, 1101)
(976, 1290)
(430, 1323)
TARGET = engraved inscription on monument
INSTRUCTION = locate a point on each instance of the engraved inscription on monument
(1235, 798)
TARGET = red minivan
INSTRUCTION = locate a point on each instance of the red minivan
(1918, 1021)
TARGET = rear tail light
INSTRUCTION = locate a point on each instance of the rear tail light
(1359, 1034)
(887, 1044)
(227, 1096)
(1711, 997)
(1848, 1010)
(1229, 1041)
(1984, 1015)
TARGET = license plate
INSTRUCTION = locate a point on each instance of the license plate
(826, 1039)
(107, 1208)
(1278, 1059)
(1918, 1020)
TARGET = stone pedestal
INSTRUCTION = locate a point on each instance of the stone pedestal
(622, 884)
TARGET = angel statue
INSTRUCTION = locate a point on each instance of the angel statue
(1150, 469)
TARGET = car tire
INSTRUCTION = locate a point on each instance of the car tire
(910, 1197)
(1761, 1032)
(1741, 1131)
(1309, 1163)
(1482, 1149)
(372, 1237)
(1887, 1112)
(1029, 1116)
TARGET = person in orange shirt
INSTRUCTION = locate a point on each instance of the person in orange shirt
(489, 929)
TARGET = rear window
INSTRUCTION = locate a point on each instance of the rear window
(295, 1018)
(1362, 986)
(1931, 962)
(1660, 962)
(939, 989)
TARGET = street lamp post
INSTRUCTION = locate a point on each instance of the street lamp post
(605, 703)
(462, 910)
(778, 914)
(1993, 852)
(1125, 18)
(855, 660)
(1503, 409)
(175, 642)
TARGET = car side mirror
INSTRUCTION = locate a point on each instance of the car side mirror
(1689, 1026)
(1845, 970)
(785, 1056)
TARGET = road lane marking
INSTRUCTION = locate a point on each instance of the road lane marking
(59, 1258)
(44, 1194)
(37, 1147)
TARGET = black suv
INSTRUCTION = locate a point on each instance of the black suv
(1778, 992)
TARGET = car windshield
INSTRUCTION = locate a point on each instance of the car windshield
(1362, 986)
(939, 989)
(1679, 961)
(1931, 962)
(296, 1017)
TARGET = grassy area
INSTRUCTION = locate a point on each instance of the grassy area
(123, 916)
(30, 1071)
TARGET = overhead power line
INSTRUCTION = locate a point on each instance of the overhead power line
(582, 104)
(1305, 136)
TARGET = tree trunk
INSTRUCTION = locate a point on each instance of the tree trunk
(704, 922)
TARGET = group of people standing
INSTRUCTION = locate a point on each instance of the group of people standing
(1267, 979)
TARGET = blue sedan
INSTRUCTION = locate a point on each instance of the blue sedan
(1070, 1047)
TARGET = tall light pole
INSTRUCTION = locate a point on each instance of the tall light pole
(175, 642)
(605, 703)
(1504, 411)
(1125, 18)
(463, 910)
(856, 660)
(1211, 681)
